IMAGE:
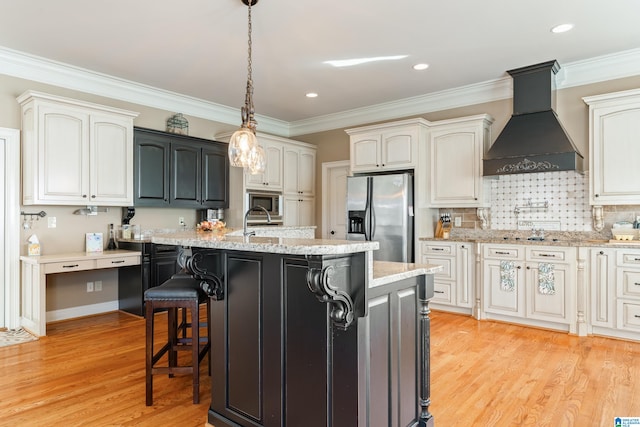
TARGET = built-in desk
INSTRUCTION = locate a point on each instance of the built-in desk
(34, 279)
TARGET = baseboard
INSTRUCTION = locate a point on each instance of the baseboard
(80, 311)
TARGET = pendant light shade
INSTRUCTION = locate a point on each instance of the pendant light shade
(244, 150)
(257, 162)
(241, 144)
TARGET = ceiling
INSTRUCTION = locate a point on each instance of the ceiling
(198, 48)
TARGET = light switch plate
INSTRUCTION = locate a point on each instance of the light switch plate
(51, 222)
(457, 221)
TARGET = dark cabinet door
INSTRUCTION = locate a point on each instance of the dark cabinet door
(215, 176)
(179, 171)
(162, 270)
(186, 175)
(151, 177)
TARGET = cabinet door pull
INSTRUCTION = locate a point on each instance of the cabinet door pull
(502, 253)
(636, 259)
(70, 266)
(438, 292)
(636, 315)
(637, 284)
(437, 249)
(548, 255)
(120, 261)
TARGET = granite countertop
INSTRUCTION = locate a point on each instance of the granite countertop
(279, 245)
(286, 231)
(385, 272)
(568, 242)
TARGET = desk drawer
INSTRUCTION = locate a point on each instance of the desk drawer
(66, 266)
(117, 262)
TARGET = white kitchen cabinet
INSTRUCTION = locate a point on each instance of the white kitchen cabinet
(456, 148)
(602, 287)
(628, 291)
(614, 131)
(453, 286)
(299, 170)
(298, 211)
(75, 153)
(272, 178)
(386, 147)
(534, 285)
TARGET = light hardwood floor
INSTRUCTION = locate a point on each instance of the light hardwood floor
(90, 372)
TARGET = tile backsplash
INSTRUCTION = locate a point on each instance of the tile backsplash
(565, 193)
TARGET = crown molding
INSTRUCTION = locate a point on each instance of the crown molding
(30, 67)
(578, 73)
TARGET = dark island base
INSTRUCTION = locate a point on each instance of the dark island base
(303, 341)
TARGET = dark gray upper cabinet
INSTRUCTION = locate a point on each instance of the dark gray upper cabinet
(179, 171)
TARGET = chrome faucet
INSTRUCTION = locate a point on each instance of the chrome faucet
(255, 208)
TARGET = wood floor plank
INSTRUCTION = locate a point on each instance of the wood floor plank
(90, 371)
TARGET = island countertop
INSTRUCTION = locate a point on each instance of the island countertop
(385, 272)
(278, 245)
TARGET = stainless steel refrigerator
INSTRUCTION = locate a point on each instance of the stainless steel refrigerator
(380, 208)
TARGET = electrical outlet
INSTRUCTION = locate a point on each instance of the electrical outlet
(51, 222)
(457, 221)
(89, 286)
(98, 286)
(181, 220)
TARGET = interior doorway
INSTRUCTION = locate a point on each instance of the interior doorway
(10, 229)
(334, 199)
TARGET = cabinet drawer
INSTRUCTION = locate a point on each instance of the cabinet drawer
(628, 258)
(629, 315)
(430, 248)
(63, 267)
(546, 255)
(503, 253)
(442, 292)
(448, 266)
(630, 283)
(117, 262)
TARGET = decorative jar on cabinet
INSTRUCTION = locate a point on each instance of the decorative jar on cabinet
(75, 152)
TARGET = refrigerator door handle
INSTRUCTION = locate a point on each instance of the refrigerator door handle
(368, 214)
(373, 224)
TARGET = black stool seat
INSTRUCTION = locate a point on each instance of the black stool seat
(176, 288)
(181, 291)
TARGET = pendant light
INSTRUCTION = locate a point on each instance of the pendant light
(244, 150)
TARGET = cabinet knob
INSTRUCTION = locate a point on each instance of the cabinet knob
(601, 252)
(475, 198)
(519, 267)
(93, 196)
(596, 195)
(333, 232)
(528, 268)
(84, 196)
(383, 165)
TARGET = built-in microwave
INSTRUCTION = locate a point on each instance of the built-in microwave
(269, 200)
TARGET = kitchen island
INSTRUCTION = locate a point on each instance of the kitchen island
(309, 332)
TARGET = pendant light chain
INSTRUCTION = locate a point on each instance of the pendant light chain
(248, 115)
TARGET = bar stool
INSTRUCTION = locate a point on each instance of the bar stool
(181, 291)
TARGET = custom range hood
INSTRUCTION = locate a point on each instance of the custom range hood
(533, 139)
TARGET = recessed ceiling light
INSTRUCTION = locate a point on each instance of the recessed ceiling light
(420, 67)
(358, 61)
(311, 95)
(562, 28)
